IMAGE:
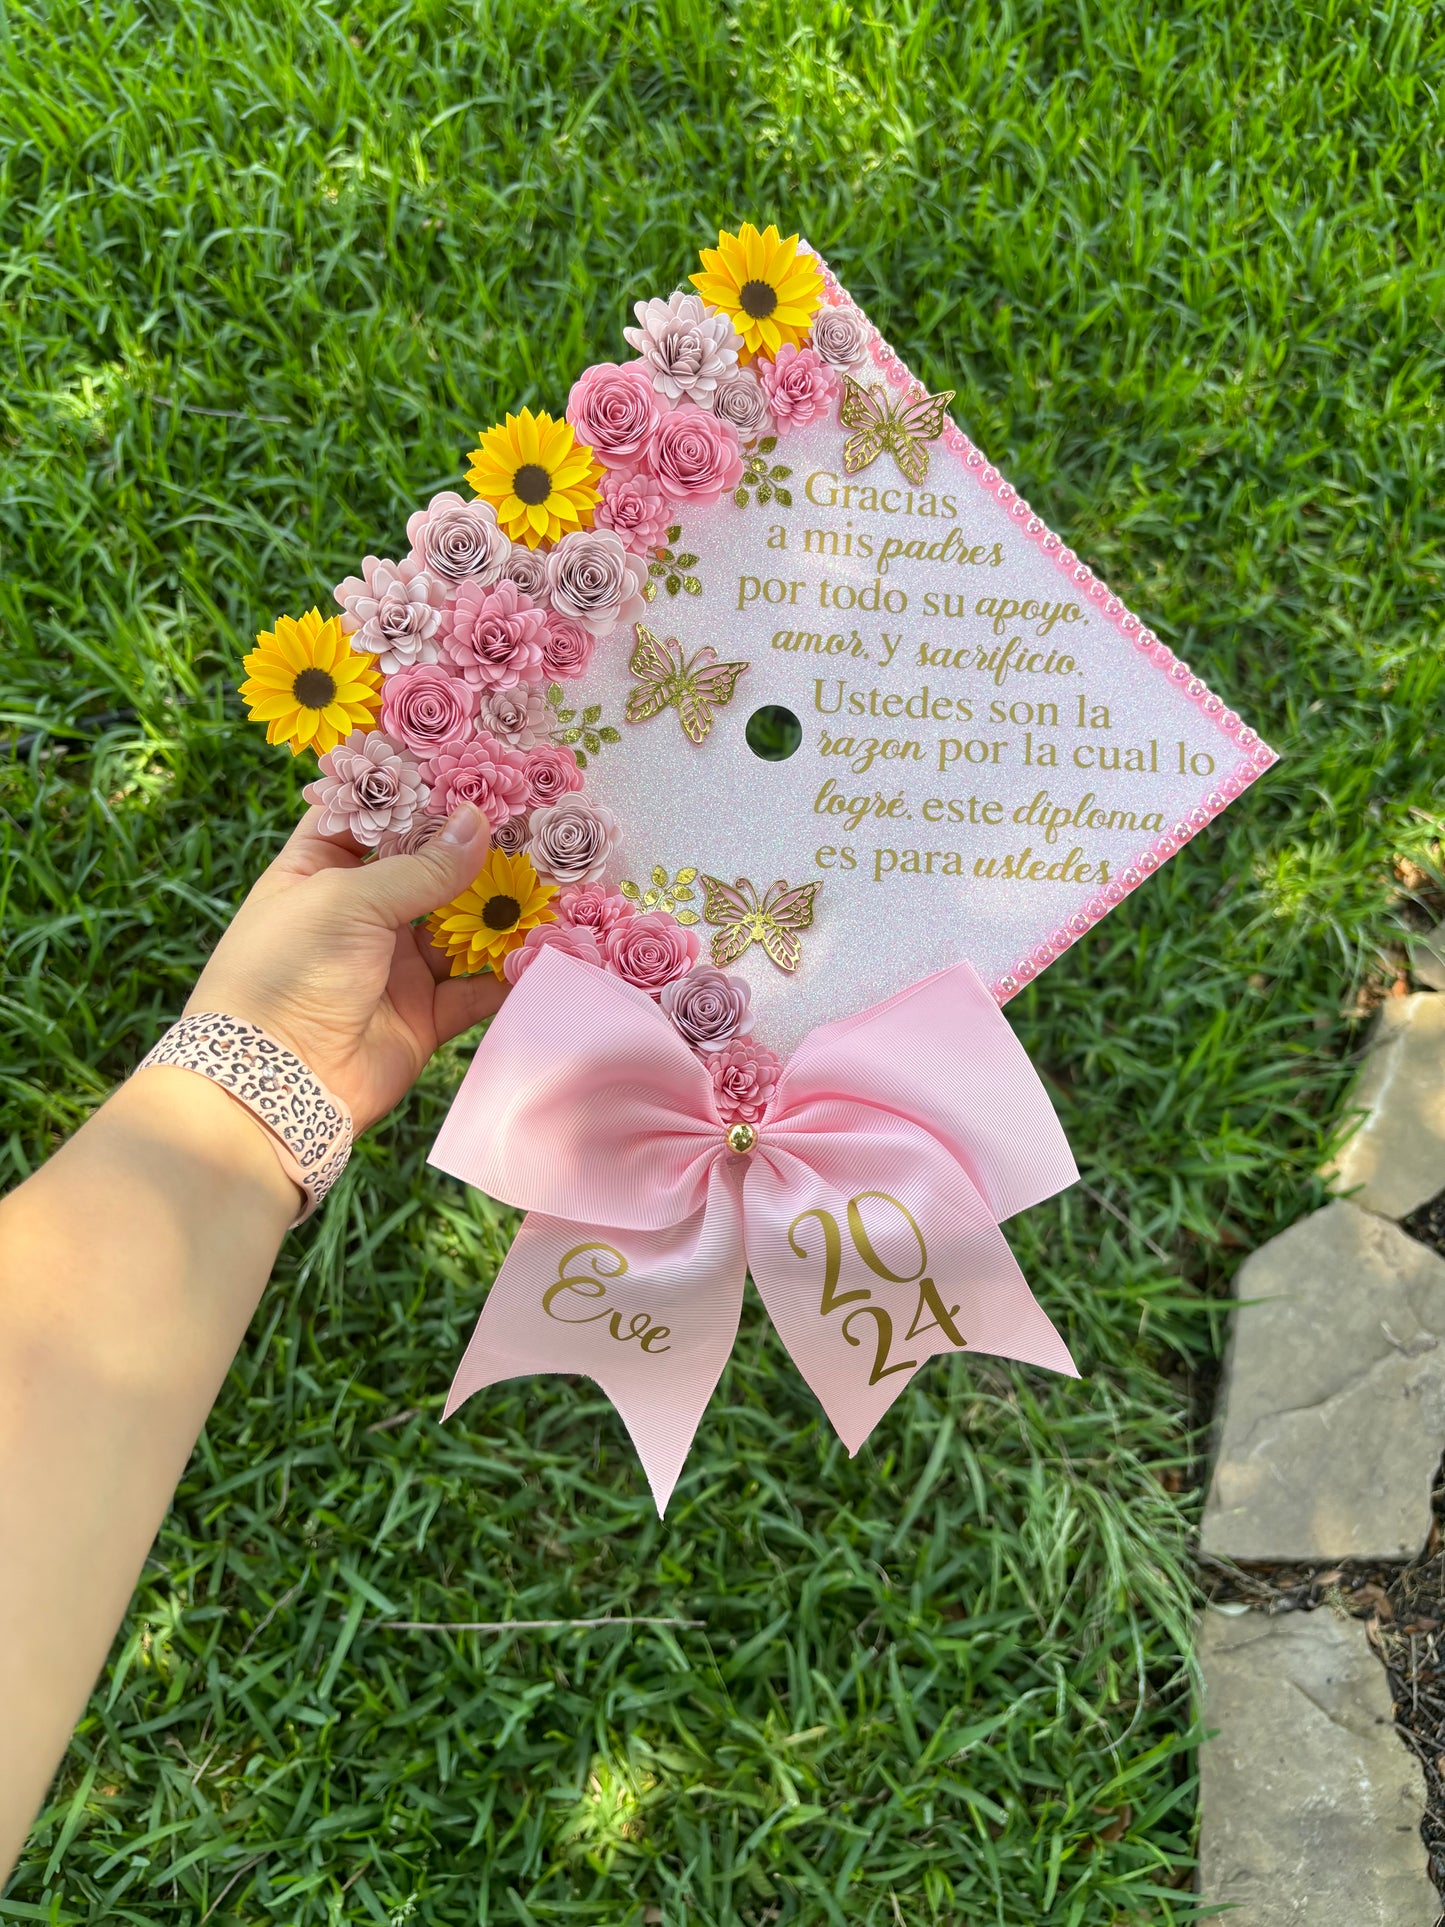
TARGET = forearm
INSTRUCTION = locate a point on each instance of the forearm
(130, 1265)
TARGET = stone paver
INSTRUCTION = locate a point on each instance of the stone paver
(1397, 1157)
(1427, 958)
(1334, 1402)
(1311, 1803)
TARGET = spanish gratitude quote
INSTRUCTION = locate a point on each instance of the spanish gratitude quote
(915, 727)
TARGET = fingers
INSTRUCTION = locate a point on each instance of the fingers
(306, 850)
(436, 961)
(398, 889)
(464, 1001)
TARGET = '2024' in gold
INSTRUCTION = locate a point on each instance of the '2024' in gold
(592, 1283)
(941, 1317)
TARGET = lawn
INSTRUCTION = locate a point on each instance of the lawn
(265, 270)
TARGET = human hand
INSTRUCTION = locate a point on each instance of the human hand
(323, 955)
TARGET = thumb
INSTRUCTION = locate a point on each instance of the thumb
(398, 889)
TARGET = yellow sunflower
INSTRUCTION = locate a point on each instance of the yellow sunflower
(537, 476)
(493, 914)
(308, 685)
(763, 285)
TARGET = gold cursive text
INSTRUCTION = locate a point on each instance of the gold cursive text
(603, 1263)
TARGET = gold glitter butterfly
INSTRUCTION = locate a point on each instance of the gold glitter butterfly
(774, 923)
(901, 427)
(669, 680)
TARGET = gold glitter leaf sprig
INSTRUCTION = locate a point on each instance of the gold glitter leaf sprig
(664, 895)
(672, 567)
(584, 733)
(766, 481)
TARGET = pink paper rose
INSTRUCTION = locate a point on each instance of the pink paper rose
(614, 410)
(393, 611)
(456, 539)
(707, 1007)
(568, 938)
(744, 1078)
(634, 507)
(551, 772)
(567, 649)
(496, 636)
(800, 386)
(591, 906)
(650, 950)
(484, 772)
(367, 787)
(694, 456)
(426, 707)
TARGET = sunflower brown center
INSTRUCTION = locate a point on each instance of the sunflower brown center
(531, 483)
(314, 688)
(501, 913)
(758, 299)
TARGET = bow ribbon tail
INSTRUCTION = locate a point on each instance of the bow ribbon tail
(649, 1315)
(872, 1255)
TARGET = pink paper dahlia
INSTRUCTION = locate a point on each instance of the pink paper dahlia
(497, 636)
(744, 1078)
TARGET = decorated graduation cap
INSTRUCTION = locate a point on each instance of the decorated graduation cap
(805, 745)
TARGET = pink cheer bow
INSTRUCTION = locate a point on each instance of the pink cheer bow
(868, 1213)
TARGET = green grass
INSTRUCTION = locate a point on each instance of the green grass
(264, 271)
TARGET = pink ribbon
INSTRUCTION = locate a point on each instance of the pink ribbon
(868, 1212)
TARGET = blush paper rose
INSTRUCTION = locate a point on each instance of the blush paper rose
(413, 839)
(570, 940)
(650, 950)
(614, 410)
(484, 772)
(592, 579)
(526, 569)
(634, 507)
(427, 707)
(496, 636)
(456, 539)
(517, 716)
(707, 1007)
(800, 387)
(572, 840)
(742, 401)
(367, 787)
(840, 337)
(551, 773)
(694, 456)
(393, 611)
(590, 906)
(513, 836)
(744, 1077)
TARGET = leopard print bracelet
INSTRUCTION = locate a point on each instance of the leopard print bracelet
(310, 1129)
